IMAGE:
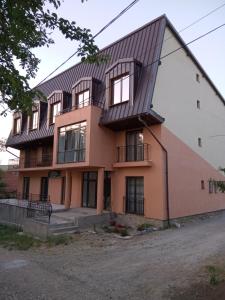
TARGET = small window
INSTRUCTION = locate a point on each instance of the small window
(83, 99)
(120, 89)
(17, 126)
(55, 110)
(199, 142)
(198, 104)
(197, 77)
(34, 120)
(202, 184)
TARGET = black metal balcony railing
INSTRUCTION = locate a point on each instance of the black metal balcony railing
(134, 205)
(70, 156)
(129, 153)
(87, 102)
(44, 161)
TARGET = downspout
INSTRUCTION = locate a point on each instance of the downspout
(166, 167)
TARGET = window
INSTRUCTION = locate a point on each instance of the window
(202, 184)
(17, 126)
(134, 146)
(120, 89)
(55, 110)
(135, 195)
(197, 77)
(71, 144)
(34, 120)
(83, 99)
(199, 142)
(198, 104)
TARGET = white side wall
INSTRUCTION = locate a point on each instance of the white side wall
(175, 98)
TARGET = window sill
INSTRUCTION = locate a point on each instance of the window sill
(131, 164)
(117, 104)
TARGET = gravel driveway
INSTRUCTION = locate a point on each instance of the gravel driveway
(101, 266)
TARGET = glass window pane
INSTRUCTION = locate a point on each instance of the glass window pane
(86, 98)
(116, 91)
(125, 88)
(80, 100)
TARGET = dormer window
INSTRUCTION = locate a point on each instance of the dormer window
(34, 120)
(83, 99)
(55, 110)
(120, 89)
(121, 81)
(17, 126)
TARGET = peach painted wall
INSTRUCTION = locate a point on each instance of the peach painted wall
(55, 189)
(154, 180)
(186, 170)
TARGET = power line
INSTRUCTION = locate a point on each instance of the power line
(97, 34)
(117, 17)
(166, 55)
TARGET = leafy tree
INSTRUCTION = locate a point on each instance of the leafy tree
(24, 26)
(2, 144)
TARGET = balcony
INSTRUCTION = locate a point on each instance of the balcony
(44, 161)
(86, 103)
(133, 156)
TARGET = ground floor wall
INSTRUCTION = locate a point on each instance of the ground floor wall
(191, 191)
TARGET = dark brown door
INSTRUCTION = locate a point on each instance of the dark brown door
(63, 190)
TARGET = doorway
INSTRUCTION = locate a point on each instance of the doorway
(135, 195)
(63, 191)
(44, 189)
(89, 193)
(26, 187)
(107, 190)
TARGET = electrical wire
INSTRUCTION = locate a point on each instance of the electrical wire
(97, 34)
(117, 17)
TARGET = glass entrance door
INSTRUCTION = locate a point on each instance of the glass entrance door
(44, 189)
(89, 194)
(135, 195)
(26, 187)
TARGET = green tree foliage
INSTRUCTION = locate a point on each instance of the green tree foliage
(2, 183)
(24, 26)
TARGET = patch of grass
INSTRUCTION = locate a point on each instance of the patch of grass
(11, 237)
(216, 275)
(144, 226)
(59, 240)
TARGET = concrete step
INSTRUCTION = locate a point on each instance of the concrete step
(62, 224)
(63, 229)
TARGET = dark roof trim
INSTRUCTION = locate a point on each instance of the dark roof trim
(179, 38)
(122, 61)
(85, 79)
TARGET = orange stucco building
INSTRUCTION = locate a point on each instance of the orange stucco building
(128, 135)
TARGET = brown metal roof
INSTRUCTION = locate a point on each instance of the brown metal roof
(144, 45)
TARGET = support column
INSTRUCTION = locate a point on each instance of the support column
(68, 189)
(100, 191)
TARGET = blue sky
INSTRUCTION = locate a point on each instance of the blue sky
(94, 14)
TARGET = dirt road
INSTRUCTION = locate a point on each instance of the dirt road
(159, 265)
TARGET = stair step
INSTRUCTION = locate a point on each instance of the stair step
(59, 225)
(64, 229)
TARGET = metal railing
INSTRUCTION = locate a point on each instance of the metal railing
(70, 156)
(86, 103)
(13, 164)
(44, 161)
(134, 205)
(129, 153)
